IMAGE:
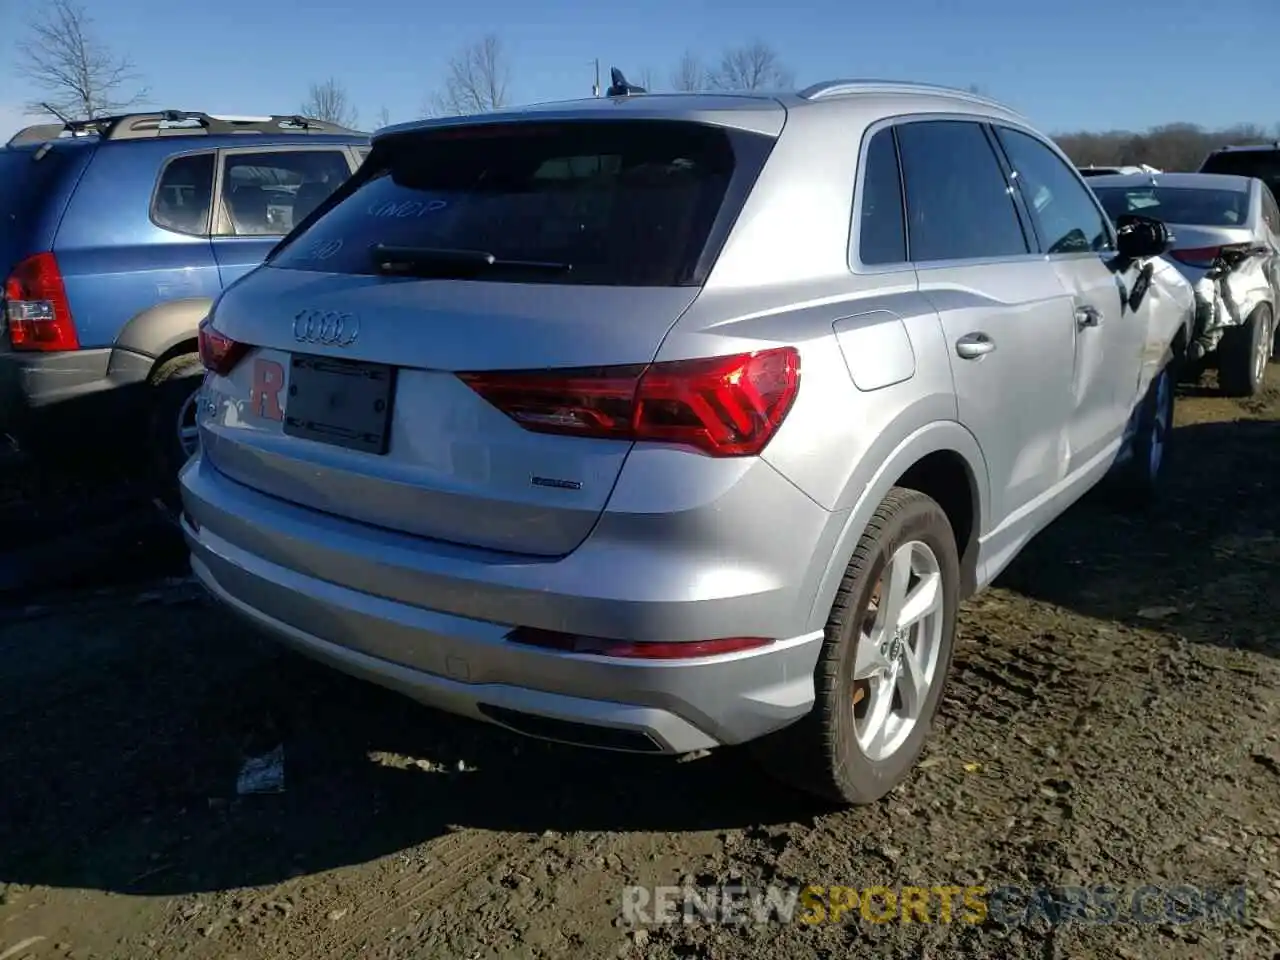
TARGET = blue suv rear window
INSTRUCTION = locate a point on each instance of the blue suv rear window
(626, 203)
(25, 180)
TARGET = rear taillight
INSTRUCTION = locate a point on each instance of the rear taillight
(1196, 256)
(633, 649)
(218, 352)
(723, 406)
(36, 307)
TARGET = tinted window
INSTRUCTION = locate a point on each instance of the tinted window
(265, 194)
(184, 194)
(620, 203)
(1207, 208)
(1263, 164)
(25, 181)
(958, 203)
(1065, 215)
(883, 236)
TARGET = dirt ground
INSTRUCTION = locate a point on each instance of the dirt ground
(1113, 718)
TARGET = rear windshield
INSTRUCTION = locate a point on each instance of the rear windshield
(25, 181)
(624, 203)
(1263, 164)
(1187, 205)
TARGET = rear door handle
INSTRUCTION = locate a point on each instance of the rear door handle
(974, 346)
(1087, 316)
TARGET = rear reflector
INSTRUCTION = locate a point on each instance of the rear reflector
(633, 650)
(722, 406)
(36, 306)
(218, 352)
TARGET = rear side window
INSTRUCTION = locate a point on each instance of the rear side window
(883, 234)
(265, 194)
(184, 195)
(958, 203)
(25, 181)
(1065, 215)
(1263, 164)
(1194, 207)
(1270, 212)
(624, 203)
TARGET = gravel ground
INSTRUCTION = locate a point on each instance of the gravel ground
(1112, 720)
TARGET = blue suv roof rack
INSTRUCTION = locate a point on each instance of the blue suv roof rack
(174, 123)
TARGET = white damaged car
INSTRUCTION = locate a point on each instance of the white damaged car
(1226, 242)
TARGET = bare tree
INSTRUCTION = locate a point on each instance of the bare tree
(328, 101)
(384, 118)
(1172, 147)
(80, 76)
(753, 67)
(690, 75)
(645, 79)
(477, 80)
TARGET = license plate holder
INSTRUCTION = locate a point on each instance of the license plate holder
(344, 403)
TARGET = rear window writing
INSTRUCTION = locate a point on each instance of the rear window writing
(624, 203)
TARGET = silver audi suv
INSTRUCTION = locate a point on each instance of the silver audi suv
(663, 422)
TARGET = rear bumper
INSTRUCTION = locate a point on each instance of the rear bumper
(1227, 303)
(461, 662)
(70, 393)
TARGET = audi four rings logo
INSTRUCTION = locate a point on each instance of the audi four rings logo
(326, 327)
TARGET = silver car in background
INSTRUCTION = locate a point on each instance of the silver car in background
(657, 423)
(1226, 242)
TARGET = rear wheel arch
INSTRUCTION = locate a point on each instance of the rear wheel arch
(947, 478)
(161, 330)
(941, 460)
(163, 363)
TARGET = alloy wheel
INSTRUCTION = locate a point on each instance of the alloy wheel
(896, 661)
(187, 427)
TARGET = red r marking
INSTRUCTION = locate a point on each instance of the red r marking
(264, 397)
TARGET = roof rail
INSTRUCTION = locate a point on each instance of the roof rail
(173, 123)
(840, 88)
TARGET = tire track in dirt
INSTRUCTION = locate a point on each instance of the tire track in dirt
(298, 920)
(466, 857)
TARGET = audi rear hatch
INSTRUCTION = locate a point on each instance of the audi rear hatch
(450, 347)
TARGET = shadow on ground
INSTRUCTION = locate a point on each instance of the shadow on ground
(1204, 562)
(80, 525)
(124, 780)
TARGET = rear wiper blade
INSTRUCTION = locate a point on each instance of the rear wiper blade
(446, 262)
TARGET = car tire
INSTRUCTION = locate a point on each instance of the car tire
(174, 386)
(1243, 354)
(1142, 476)
(825, 753)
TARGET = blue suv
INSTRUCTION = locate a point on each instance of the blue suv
(116, 235)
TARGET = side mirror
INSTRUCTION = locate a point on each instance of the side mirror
(1138, 237)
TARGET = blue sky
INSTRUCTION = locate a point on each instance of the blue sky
(1067, 66)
